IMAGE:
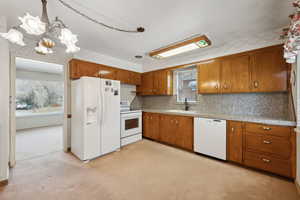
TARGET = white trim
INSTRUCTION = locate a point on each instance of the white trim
(12, 145)
(67, 103)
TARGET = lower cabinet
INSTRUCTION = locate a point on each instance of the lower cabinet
(235, 141)
(170, 129)
(265, 147)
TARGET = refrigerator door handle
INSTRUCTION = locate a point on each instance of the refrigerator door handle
(103, 105)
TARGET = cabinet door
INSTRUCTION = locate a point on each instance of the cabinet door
(107, 72)
(184, 132)
(235, 74)
(123, 76)
(209, 77)
(146, 125)
(135, 78)
(235, 142)
(80, 68)
(154, 123)
(268, 71)
(167, 129)
(146, 87)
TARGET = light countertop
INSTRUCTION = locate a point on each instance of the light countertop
(243, 118)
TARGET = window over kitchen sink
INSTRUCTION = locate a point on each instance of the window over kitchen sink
(186, 84)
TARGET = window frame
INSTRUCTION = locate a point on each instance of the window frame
(176, 81)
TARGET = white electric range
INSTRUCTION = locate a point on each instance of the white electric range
(131, 124)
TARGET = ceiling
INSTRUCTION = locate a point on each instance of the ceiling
(166, 21)
(37, 66)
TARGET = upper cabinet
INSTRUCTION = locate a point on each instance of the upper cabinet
(268, 71)
(209, 74)
(79, 68)
(235, 74)
(262, 70)
(156, 83)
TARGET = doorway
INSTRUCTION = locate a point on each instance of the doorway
(37, 109)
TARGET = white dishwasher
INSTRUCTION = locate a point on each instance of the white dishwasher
(210, 137)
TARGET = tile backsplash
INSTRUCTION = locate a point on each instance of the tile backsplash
(273, 105)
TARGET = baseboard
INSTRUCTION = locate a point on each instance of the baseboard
(3, 183)
(297, 186)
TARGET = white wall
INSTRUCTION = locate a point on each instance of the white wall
(296, 97)
(38, 120)
(107, 60)
(235, 45)
(24, 74)
(4, 103)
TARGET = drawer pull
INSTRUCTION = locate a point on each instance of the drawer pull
(266, 128)
(266, 160)
(267, 142)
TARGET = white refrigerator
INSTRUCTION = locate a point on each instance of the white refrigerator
(95, 122)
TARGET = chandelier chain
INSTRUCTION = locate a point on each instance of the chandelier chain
(138, 30)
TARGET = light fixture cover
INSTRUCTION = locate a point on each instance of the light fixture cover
(181, 47)
(32, 25)
(69, 39)
(14, 36)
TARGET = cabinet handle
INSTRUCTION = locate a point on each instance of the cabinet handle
(267, 142)
(176, 121)
(255, 83)
(266, 128)
(216, 86)
(225, 86)
(232, 129)
(266, 160)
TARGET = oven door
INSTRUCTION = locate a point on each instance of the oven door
(131, 124)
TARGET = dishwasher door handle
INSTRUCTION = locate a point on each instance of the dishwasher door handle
(217, 120)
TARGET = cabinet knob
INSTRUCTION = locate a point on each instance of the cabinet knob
(266, 160)
(255, 83)
(232, 129)
(267, 142)
(225, 86)
(266, 128)
(216, 86)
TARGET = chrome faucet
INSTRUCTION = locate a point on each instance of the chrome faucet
(186, 105)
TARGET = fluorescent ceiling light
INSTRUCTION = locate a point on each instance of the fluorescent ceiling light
(181, 47)
(179, 50)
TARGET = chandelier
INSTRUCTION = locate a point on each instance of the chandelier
(46, 31)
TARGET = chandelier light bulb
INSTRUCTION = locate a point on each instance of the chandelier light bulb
(14, 36)
(67, 37)
(32, 25)
(41, 49)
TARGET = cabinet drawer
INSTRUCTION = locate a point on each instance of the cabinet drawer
(279, 131)
(268, 163)
(273, 145)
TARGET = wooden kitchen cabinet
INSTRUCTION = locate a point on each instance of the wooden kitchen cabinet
(174, 130)
(235, 141)
(156, 83)
(79, 68)
(146, 87)
(209, 76)
(270, 148)
(235, 75)
(184, 132)
(151, 125)
(268, 70)
(107, 72)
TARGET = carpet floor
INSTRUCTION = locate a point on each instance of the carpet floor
(142, 171)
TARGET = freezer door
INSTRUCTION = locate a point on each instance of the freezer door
(91, 112)
(110, 116)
